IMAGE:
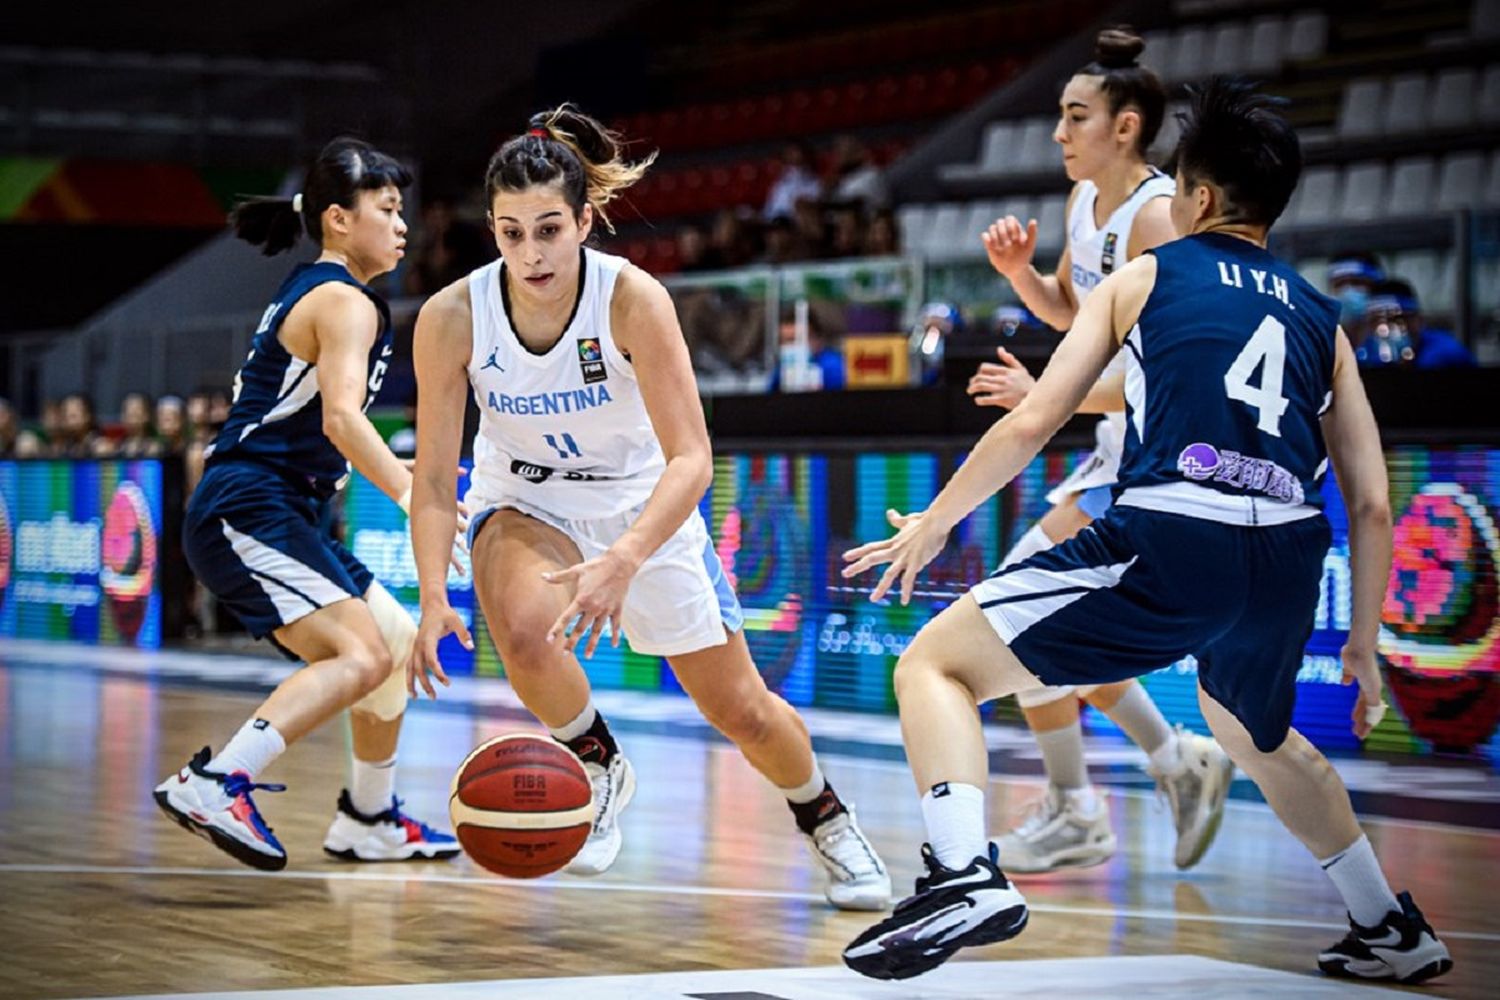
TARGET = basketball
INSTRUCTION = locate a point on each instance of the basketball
(521, 805)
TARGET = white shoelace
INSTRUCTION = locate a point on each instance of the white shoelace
(839, 841)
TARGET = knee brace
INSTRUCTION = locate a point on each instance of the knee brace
(388, 701)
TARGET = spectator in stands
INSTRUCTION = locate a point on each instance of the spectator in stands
(781, 242)
(694, 252)
(731, 243)
(447, 248)
(1393, 332)
(880, 235)
(171, 425)
(78, 434)
(1350, 277)
(795, 182)
(855, 176)
(135, 417)
(824, 350)
(846, 230)
(810, 240)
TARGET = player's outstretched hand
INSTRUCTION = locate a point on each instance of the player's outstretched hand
(1010, 245)
(600, 594)
(1003, 385)
(915, 544)
(437, 622)
(1369, 707)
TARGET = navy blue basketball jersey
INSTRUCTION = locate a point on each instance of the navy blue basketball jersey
(1227, 373)
(277, 416)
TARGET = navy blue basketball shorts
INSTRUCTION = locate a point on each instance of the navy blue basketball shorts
(1139, 590)
(256, 543)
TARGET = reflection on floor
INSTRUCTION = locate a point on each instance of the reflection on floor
(101, 896)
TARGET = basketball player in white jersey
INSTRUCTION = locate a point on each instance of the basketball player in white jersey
(1110, 113)
(591, 458)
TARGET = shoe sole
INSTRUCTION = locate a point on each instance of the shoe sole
(905, 964)
(1215, 820)
(1433, 969)
(627, 792)
(1089, 860)
(223, 841)
(348, 854)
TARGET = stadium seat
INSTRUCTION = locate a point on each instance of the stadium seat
(1191, 55)
(945, 236)
(1161, 47)
(1229, 49)
(913, 222)
(1307, 35)
(1413, 187)
(1036, 151)
(1488, 103)
(1486, 22)
(1000, 141)
(1459, 181)
(1264, 56)
(1364, 191)
(1360, 110)
(1451, 103)
(1406, 105)
(1051, 222)
(1316, 196)
(1314, 271)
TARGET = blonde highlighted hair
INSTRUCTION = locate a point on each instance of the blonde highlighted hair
(567, 147)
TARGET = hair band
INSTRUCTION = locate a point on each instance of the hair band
(540, 133)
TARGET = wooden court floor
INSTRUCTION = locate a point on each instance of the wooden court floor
(101, 896)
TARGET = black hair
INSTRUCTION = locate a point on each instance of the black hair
(1237, 139)
(566, 147)
(1363, 256)
(345, 167)
(1126, 82)
(1397, 287)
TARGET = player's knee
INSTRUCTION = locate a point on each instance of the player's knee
(369, 666)
(744, 721)
(399, 633)
(911, 670)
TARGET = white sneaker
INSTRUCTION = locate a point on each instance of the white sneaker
(1057, 834)
(1196, 793)
(219, 808)
(857, 879)
(389, 835)
(614, 787)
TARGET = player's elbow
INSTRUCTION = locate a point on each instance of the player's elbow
(1371, 508)
(1027, 425)
(337, 422)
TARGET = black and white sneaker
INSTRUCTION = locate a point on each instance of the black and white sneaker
(1402, 947)
(950, 910)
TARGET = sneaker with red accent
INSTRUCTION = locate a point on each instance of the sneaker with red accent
(390, 835)
(218, 807)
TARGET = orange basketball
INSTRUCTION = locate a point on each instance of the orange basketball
(521, 805)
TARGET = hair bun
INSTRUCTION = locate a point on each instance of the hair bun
(1118, 47)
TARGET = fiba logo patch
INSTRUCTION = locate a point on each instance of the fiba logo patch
(1107, 258)
(129, 558)
(591, 360)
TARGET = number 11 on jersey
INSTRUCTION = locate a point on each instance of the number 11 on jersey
(567, 443)
(1266, 350)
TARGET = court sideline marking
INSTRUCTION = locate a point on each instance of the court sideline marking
(666, 890)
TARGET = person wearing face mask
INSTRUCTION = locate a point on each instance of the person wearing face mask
(1350, 277)
(1392, 332)
(1108, 115)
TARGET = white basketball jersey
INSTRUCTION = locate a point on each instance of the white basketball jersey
(566, 430)
(1095, 252)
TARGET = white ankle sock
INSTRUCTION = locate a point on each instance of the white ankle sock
(1143, 722)
(809, 790)
(251, 750)
(1357, 876)
(954, 814)
(373, 785)
(578, 726)
(1167, 758)
(1082, 800)
(1035, 540)
(1062, 756)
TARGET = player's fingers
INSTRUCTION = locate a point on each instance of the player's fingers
(869, 560)
(596, 631)
(908, 583)
(564, 575)
(559, 627)
(464, 637)
(887, 580)
(614, 630)
(1030, 232)
(1008, 358)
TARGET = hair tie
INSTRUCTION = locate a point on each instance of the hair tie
(297, 203)
(540, 133)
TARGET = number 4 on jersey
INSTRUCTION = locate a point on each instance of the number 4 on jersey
(1267, 344)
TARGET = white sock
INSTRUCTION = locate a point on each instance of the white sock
(1035, 540)
(809, 790)
(1082, 800)
(251, 750)
(1167, 758)
(1143, 722)
(1062, 756)
(1357, 876)
(578, 726)
(373, 785)
(954, 815)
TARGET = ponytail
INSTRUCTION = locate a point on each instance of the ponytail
(343, 168)
(567, 146)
